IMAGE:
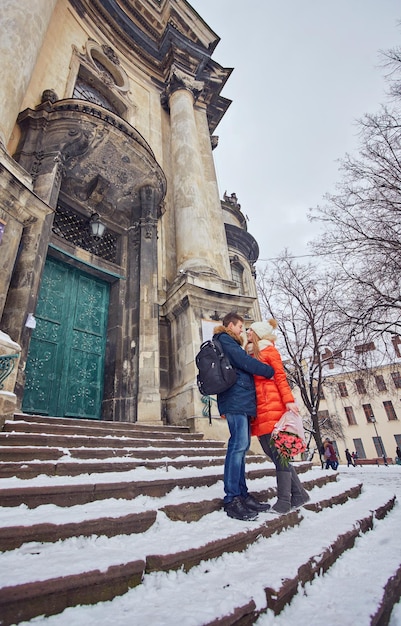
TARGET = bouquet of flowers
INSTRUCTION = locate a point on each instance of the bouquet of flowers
(288, 437)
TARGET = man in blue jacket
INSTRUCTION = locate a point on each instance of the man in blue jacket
(238, 405)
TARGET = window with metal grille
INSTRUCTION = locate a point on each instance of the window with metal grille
(350, 415)
(396, 376)
(75, 229)
(84, 91)
(380, 383)
(360, 386)
(390, 411)
(342, 388)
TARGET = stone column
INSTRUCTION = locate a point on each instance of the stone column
(23, 27)
(194, 228)
(149, 400)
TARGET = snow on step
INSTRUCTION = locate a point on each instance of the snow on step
(351, 578)
(215, 588)
(113, 507)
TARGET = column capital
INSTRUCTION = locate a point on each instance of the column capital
(181, 80)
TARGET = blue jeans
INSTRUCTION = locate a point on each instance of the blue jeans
(234, 466)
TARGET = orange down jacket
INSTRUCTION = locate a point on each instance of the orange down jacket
(271, 394)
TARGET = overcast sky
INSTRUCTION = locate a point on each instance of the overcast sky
(304, 72)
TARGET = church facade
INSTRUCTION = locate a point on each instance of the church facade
(117, 253)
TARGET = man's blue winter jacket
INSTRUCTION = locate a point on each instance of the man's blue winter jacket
(241, 397)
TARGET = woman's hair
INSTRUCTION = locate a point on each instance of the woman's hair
(255, 343)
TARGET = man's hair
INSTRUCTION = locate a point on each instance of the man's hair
(232, 317)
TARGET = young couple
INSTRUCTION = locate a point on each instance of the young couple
(253, 405)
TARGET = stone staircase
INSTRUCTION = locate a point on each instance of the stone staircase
(92, 512)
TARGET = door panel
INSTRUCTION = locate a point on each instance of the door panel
(65, 366)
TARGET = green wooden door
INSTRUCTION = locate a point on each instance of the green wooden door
(65, 365)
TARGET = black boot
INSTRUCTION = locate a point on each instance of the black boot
(299, 495)
(237, 509)
(252, 503)
(283, 504)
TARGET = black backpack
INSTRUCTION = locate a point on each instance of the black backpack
(216, 374)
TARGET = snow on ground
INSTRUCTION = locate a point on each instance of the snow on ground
(349, 592)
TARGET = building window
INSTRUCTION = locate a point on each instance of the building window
(379, 446)
(390, 411)
(237, 273)
(396, 341)
(359, 449)
(323, 415)
(350, 415)
(342, 388)
(321, 393)
(380, 383)
(365, 347)
(396, 376)
(84, 91)
(367, 408)
(360, 386)
(398, 440)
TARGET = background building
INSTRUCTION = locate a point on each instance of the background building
(360, 407)
(116, 250)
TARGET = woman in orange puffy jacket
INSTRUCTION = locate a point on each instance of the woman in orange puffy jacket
(273, 398)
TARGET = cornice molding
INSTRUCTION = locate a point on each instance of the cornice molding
(161, 39)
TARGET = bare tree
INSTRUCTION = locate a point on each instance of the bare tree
(300, 298)
(363, 220)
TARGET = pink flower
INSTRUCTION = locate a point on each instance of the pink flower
(288, 445)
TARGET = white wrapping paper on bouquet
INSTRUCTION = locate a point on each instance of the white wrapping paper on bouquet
(290, 422)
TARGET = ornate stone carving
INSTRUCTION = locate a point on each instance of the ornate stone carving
(181, 80)
(49, 95)
(110, 54)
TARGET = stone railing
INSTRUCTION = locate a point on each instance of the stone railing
(7, 362)
(9, 359)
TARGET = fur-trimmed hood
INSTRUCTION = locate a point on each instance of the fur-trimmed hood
(223, 329)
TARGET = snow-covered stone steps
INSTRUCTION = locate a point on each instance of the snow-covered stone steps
(367, 570)
(37, 561)
(236, 585)
(146, 543)
(25, 527)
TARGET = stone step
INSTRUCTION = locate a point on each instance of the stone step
(77, 441)
(97, 431)
(47, 453)
(114, 426)
(26, 470)
(80, 493)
